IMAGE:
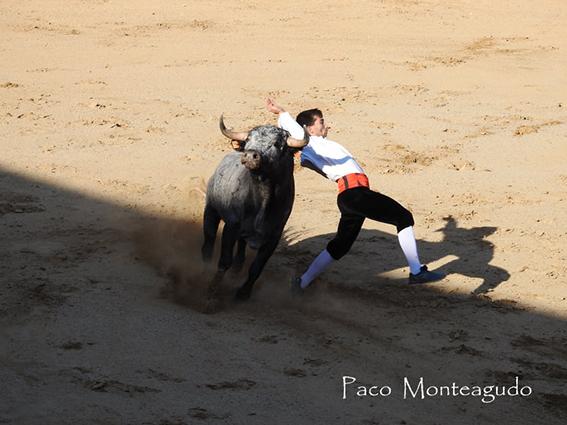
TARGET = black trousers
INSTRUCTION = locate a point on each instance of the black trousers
(360, 203)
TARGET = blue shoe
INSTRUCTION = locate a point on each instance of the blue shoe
(424, 276)
(295, 287)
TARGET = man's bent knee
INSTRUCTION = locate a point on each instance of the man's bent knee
(405, 220)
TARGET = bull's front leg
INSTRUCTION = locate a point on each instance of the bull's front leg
(240, 255)
(264, 254)
(211, 222)
(229, 238)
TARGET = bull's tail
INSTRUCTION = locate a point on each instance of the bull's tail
(200, 191)
(201, 188)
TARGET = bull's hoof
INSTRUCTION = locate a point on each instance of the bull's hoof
(212, 306)
(213, 292)
(236, 268)
(242, 294)
(206, 255)
(223, 268)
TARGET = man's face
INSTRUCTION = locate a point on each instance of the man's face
(318, 128)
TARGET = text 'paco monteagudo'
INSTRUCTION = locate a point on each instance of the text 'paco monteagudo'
(417, 389)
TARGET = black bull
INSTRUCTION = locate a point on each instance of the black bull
(253, 193)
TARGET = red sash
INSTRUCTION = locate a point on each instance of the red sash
(352, 180)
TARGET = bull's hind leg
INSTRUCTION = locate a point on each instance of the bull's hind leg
(264, 254)
(211, 222)
(229, 237)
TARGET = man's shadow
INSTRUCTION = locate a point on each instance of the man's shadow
(380, 252)
(474, 254)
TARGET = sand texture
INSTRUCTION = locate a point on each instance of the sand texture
(109, 130)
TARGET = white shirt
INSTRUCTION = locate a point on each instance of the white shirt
(331, 158)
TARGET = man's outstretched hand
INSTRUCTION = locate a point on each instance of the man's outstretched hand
(273, 107)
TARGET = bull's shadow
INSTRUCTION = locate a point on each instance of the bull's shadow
(376, 252)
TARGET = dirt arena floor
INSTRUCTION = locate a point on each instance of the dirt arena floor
(109, 129)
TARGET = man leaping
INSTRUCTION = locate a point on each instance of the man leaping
(355, 199)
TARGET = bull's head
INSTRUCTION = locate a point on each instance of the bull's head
(264, 145)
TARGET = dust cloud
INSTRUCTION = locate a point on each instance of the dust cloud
(172, 246)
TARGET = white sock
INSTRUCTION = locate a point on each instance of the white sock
(408, 245)
(316, 268)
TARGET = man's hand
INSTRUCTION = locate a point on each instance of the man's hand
(273, 107)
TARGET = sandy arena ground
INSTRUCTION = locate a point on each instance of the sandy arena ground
(109, 125)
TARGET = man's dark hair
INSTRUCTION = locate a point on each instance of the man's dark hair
(308, 117)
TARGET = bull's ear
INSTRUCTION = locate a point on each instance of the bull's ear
(281, 142)
(237, 146)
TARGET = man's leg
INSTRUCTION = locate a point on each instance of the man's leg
(379, 207)
(384, 209)
(348, 230)
(407, 242)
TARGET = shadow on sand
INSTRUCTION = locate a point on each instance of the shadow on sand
(473, 251)
(88, 337)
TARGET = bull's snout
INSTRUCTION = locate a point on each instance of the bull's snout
(251, 160)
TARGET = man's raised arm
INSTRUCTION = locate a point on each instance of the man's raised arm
(285, 120)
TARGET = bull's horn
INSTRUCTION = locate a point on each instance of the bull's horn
(299, 143)
(239, 136)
